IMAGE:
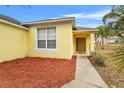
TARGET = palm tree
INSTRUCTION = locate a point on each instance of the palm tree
(115, 21)
(118, 58)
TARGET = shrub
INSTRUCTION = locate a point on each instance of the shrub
(98, 59)
(116, 41)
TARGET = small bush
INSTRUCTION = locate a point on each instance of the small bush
(116, 41)
(98, 59)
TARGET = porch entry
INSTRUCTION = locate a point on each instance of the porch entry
(81, 45)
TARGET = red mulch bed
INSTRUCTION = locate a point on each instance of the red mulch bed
(32, 72)
(90, 59)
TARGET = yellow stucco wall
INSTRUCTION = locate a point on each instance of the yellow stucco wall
(64, 41)
(92, 42)
(12, 42)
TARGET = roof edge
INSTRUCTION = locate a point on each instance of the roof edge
(48, 20)
(86, 30)
(19, 26)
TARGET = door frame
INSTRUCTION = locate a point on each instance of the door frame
(83, 43)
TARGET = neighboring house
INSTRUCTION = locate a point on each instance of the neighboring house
(53, 38)
(113, 39)
(108, 40)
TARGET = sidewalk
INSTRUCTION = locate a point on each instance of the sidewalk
(86, 76)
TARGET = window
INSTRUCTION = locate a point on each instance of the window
(46, 38)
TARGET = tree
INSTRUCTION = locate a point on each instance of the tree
(115, 21)
(101, 35)
(118, 58)
(23, 6)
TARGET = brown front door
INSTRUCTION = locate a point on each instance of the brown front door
(80, 45)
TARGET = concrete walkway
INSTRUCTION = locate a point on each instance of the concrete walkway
(86, 76)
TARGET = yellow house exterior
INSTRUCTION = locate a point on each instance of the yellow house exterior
(21, 40)
(13, 42)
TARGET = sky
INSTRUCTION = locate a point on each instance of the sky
(86, 15)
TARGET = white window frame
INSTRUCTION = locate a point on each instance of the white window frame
(45, 49)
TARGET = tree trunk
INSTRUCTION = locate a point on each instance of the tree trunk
(102, 46)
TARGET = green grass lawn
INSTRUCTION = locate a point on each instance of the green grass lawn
(108, 72)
